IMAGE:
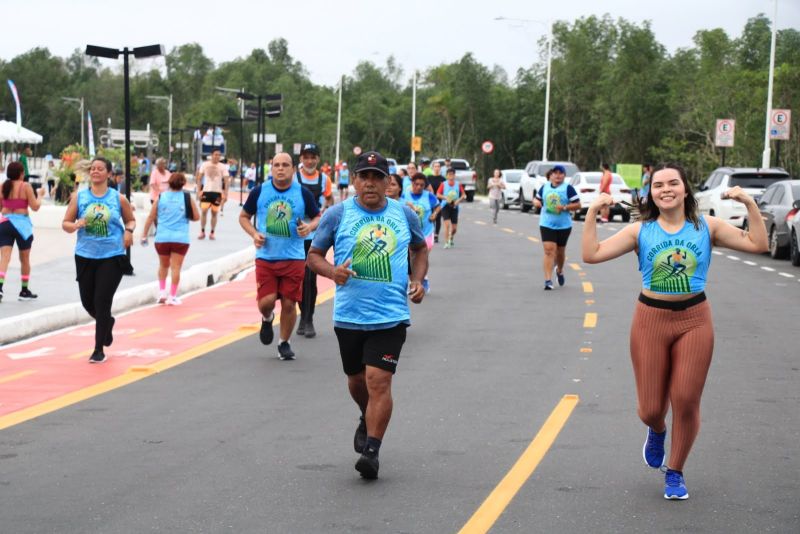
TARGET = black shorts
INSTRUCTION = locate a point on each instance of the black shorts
(342, 187)
(376, 348)
(9, 234)
(450, 213)
(559, 237)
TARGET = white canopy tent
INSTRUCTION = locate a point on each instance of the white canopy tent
(9, 133)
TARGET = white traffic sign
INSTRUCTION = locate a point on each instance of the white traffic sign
(487, 147)
(726, 129)
(357, 150)
(780, 124)
(278, 148)
(296, 149)
(267, 138)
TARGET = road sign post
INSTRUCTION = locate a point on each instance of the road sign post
(780, 129)
(724, 135)
(487, 147)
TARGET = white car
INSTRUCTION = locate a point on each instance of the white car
(587, 185)
(536, 171)
(512, 178)
(753, 181)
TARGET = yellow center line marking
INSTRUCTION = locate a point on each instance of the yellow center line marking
(225, 304)
(145, 333)
(589, 302)
(590, 320)
(508, 230)
(481, 223)
(587, 287)
(484, 518)
(534, 239)
(15, 376)
(575, 266)
(79, 355)
(582, 274)
(586, 349)
(251, 294)
(191, 317)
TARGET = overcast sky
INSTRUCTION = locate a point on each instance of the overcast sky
(331, 37)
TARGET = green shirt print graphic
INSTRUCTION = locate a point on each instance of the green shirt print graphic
(375, 245)
(552, 202)
(97, 219)
(451, 196)
(672, 270)
(279, 215)
(419, 210)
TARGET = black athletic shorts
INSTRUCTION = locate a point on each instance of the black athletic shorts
(559, 237)
(9, 235)
(450, 213)
(376, 348)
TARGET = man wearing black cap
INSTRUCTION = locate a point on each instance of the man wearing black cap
(318, 183)
(371, 235)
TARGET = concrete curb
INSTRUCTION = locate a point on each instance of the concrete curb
(56, 317)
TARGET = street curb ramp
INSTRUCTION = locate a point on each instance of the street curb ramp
(55, 317)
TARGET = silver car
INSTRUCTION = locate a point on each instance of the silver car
(776, 205)
(512, 179)
(794, 238)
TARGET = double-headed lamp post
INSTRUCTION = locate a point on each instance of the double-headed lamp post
(78, 101)
(139, 52)
(549, 61)
(168, 100)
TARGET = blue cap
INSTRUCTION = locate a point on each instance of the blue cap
(559, 168)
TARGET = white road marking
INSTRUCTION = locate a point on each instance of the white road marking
(734, 258)
(748, 262)
(787, 275)
(770, 269)
(716, 252)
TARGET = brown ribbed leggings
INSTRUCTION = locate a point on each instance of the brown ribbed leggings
(671, 353)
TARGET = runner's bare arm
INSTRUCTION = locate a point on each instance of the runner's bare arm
(726, 235)
(245, 221)
(70, 224)
(620, 243)
(33, 201)
(340, 274)
(151, 218)
(419, 268)
(128, 220)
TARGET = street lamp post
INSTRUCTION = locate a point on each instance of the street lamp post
(139, 52)
(78, 101)
(767, 154)
(339, 121)
(413, 113)
(547, 88)
(168, 100)
(261, 114)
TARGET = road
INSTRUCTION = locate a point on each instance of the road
(238, 441)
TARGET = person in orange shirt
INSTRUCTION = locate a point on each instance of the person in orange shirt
(605, 187)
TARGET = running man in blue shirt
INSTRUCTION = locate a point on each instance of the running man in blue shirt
(556, 199)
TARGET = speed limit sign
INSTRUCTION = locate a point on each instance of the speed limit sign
(487, 147)
(357, 150)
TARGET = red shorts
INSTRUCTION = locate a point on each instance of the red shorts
(165, 249)
(283, 277)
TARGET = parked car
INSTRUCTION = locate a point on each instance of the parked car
(512, 178)
(777, 209)
(753, 181)
(587, 185)
(794, 244)
(464, 175)
(536, 171)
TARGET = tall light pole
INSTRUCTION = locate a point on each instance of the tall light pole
(767, 154)
(339, 120)
(78, 101)
(547, 88)
(413, 113)
(168, 100)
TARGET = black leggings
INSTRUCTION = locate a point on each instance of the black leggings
(98, 280)
(309, 302)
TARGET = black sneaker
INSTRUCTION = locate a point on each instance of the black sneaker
(301, 327)
(266, 335)
(26, 294)
(1, 295)
(98, 356)
(360, 439)
(368, 466)
(309, 330)
(285, 351)
(110, 335)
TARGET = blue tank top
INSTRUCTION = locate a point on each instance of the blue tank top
(424, 204)
(451, 193)
(102, 236)
(344, 177)
(173, 226)
(276, 217)
(552, 197)
(674, 264)
(377, 243)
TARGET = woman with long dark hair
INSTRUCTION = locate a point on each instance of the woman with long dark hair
(104, 221)
(15, 226)
(672, 335)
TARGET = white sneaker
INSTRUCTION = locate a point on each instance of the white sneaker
(174, 301)
(162, 297)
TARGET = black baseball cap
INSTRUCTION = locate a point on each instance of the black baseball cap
(372, 161)
(310, 147)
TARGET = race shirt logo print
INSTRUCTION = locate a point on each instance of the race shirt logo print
(419, 209)
(279, 215)
(451, 196)
(375, 244)
(551, 202)
(97, 218)
(672, 270)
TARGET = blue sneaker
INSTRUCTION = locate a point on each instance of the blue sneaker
(548, 285)
(674, 486)
(653, 449)
(561, 279)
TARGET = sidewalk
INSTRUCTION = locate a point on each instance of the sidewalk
(53, 273)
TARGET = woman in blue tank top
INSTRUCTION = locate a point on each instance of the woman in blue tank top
(672, 335)
(171, 212)
(104, 221)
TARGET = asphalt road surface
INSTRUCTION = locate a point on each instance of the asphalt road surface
(238, 441)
